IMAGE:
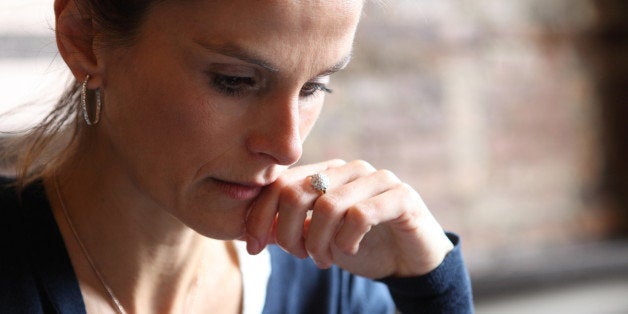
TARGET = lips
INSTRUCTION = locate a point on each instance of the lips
(238, 191)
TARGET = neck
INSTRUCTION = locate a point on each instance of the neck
(149, 259)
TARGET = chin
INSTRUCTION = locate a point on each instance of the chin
(217, 220)
(227, 231)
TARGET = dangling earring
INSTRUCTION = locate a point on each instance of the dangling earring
(84, 103)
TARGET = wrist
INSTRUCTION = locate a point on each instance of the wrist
(431, 257)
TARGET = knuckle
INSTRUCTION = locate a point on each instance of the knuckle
(336, 162)
(409, 196)
(405, 188)
(347, 247)
(408, 191)
(291, 196)
(359, 217)
(362, 165)
(388, 176)
(326, 207)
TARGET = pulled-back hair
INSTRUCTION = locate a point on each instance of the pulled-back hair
(61, 134)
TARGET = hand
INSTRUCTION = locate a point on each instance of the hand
(368, 222)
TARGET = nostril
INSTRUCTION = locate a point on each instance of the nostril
(292, 154)
(284, 148)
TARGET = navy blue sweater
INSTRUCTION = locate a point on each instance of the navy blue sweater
(36, 274)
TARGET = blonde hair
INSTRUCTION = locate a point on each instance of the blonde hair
(38, 151)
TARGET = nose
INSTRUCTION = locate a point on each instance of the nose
(275, 131)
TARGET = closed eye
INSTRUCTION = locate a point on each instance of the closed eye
(232, 85)
(312, 88)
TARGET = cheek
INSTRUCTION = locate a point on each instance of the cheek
(153, 98)
(186, 127)
(165, 120)
(157, 113)
(309, 116)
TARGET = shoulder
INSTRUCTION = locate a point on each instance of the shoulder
(10, 213)
(35, 271)
(298, 286)
(8, 195)
(17, 282)
(17, 209)
(14, 204)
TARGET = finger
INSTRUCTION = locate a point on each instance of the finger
(361, 217)
(330, 210)
(261, 216)
(294, 203)
(348, 172)
(260, 220)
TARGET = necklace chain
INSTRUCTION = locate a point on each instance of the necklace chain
(118, 306)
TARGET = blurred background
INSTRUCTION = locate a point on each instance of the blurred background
(509, 117)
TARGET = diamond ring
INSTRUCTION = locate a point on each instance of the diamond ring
(320, 182)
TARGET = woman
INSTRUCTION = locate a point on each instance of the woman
(171, 159)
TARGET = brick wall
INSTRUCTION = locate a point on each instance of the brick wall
(485, 107)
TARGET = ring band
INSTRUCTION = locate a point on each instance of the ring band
(320, 182)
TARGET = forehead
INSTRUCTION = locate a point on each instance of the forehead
(272, 26)
(299, 16)
(260, 16)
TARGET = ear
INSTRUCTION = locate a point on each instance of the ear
(75, 40)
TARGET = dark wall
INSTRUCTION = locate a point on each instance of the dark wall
(606, 49)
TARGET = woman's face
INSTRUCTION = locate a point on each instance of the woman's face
(214, 99)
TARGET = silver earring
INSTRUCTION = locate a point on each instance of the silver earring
(84, 103)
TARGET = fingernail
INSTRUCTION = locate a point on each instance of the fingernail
(322, 265)
(252, 246)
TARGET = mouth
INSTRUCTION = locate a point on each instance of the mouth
(239, 191)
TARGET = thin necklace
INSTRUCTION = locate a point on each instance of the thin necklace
(116, 302)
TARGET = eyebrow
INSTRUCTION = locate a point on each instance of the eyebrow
(339, 65)
(245, 55)
(240, 53)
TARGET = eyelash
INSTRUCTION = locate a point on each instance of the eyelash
(314, 89)
(234, 86)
